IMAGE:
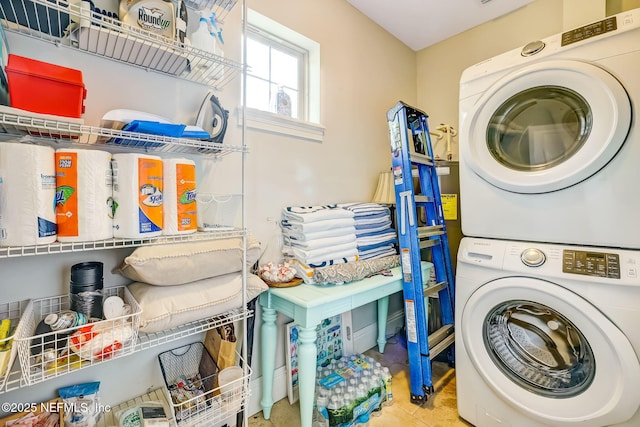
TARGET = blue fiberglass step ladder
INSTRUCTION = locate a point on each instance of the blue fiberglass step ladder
(411, 152)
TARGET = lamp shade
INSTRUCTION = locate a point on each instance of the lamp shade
(385, 191)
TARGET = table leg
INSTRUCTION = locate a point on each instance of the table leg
(307, 360)
(268, 353)
(383, 309)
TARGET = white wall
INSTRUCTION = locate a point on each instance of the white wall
(364, 72)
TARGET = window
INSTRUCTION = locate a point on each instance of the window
(276, 76)
(283, 65)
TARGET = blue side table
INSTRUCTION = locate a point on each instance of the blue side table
(308, 305)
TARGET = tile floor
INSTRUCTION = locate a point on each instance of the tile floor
(439, 410)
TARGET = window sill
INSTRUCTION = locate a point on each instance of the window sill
(274, 123)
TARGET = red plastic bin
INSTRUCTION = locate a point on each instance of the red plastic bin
(45, 88)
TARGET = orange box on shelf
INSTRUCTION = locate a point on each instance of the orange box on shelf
(45, 88)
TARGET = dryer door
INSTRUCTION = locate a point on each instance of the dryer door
(547, 126)
(550, 353)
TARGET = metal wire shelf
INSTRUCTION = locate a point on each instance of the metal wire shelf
(15, 380)
(148, 340)
(58, 248)
(29, 127)
(75, 25)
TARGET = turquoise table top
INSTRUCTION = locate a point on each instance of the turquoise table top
(310, 304)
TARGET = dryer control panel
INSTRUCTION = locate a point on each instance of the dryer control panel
(599, 264)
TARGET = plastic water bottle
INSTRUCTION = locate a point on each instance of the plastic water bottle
(376, 386)
(320, 415)
(386, 375)
(334, 410)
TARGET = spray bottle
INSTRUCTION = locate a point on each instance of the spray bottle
(216, 33)
(201, 39)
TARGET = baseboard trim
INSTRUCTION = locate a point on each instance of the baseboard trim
(279, 390)
(367, 337)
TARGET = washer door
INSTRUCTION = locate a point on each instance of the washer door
(547, 126)
(549, 353)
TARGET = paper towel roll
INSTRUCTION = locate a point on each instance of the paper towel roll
(179, 201)
(84, 194)
(27, 194)
(138, 195)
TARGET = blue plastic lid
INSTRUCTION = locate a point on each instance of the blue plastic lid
(363, 418)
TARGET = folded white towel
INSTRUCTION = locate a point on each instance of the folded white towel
(328, 242)
(364, 208)
(322, 254)
(377, 253)
(370, 228)
(299, 236)
(308, 214)
(313, 227)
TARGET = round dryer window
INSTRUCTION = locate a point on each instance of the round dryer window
(539, 128)
(546, 126)
(550, 353)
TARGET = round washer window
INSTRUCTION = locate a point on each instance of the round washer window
(539, 349)
(539, 128)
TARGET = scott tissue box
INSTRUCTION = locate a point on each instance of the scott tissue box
(45, 88)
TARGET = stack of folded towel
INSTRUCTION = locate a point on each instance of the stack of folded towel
(317, 236)
(375, 237)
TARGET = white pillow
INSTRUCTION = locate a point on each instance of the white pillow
(178, 263)
(165, 307)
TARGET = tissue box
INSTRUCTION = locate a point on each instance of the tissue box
(45, 88)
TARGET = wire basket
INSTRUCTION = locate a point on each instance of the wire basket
(191, 368)
(218, 211)
(13, 312)
(51, 354)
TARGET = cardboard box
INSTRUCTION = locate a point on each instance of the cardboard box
(45, 88)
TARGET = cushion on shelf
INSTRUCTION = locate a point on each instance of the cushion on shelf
(178, 263)
(165, 307)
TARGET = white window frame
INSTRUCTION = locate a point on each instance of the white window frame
(299, 53)
(309, 128)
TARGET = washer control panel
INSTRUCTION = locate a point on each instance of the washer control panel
(533, 257)
(599, 264)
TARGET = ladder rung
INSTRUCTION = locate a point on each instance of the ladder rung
(429, 231)
(441, 346)
(432, 290)
(422, 199)
(421, 159)
(440, 340)
(425, 244)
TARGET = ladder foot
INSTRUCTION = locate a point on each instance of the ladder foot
(428, 390)
(418, 400)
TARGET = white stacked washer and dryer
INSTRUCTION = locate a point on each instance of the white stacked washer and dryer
(547, 286)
